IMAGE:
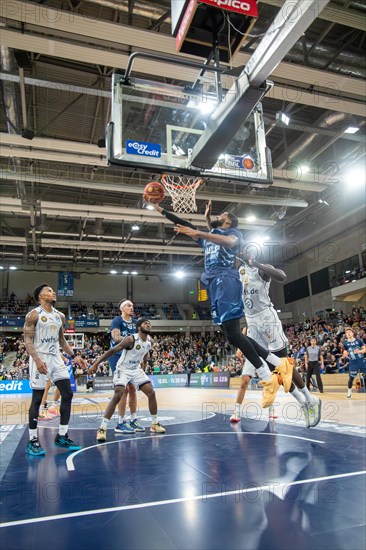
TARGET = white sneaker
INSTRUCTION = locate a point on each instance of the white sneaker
(314, 409)
(305, 410)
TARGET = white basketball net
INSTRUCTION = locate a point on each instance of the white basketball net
(182, 190)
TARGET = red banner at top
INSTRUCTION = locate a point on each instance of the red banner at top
(247, 7)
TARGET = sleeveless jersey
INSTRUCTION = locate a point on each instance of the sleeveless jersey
(46, 336)
(255, 291)
(126, 328)
(131, 358)
(350, 346)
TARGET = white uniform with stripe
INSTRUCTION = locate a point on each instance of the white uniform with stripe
(47, 344)
(128, 368)
(264, 325)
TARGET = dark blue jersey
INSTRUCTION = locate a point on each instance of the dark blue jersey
(126, 328)
(350, 346)
(218, 256)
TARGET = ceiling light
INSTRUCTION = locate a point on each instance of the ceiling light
(135, 227)
(304, 169)
(283, 118)
(113, 272)
(251, 218)
(125, 272)
(1, 267)
(134, 273)
(179, 274)
(351, 130)
(12, 268)
(149, 207)
(356, 178)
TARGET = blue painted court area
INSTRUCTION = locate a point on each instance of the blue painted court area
(203, 485)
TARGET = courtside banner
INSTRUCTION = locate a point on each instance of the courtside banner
(103, 383)
(14, 386)
(210, 380)
(247, 7)
(168, 380)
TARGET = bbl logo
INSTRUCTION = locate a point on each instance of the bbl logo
(138, 347)
(43, 318)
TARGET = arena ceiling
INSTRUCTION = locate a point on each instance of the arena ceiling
(62, 207)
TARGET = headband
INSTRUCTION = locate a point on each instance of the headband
(123, 304)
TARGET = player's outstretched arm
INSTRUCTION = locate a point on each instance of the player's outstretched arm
(171, 217)
(228, 241)
(208, 214)
(127, 343)
(267, 271)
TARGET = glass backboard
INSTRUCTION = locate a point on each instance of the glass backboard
(154, 128)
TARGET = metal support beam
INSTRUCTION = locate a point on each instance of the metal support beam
(290, 23)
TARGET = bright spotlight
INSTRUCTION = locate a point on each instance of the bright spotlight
(133, 272)
(351, 130)
(12, 268)
(135, 227)
(179, 274)
(283, 118)
(125, 272)
(149, 207)
(260, 239)
(251, 218)
(113, 272)
(304, 169)
(356, 178)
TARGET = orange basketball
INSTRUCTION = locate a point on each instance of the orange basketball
(154, 192)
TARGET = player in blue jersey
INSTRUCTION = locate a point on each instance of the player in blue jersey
(221, 245)
(354, 348)
(122, 326)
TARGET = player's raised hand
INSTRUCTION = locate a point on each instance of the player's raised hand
(208, 209)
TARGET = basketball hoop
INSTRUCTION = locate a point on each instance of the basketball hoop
(182, 190)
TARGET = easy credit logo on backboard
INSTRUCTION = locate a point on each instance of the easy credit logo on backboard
(143, 149)
(249, 7)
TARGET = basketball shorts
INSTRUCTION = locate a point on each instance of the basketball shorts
(266, 329)
(137, 377)
(113, 362)
(56, 370)
(357, 366)
(225, 293)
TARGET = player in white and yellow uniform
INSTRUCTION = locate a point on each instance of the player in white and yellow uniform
(43, 338)
(264, 326)
(135, 349)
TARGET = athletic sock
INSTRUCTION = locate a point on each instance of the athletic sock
(349, 391)
(273, 359)
(154, 418)
(121, 419)
(237, 410)
(133, 416)
(300, 398)
(309, 398)
(62, 430)
(263, 372)
(104, 424)
(32, 433)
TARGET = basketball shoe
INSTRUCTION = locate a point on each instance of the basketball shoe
(135, 424)
(272, 413)
(270, 389)
(124, 428)
(157, 428)
(285, 370)
(34, 447)
(234, 418)
(101, 435)
(305, 410)
(315, 410)
(66, 443)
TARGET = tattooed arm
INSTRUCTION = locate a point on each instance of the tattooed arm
(29, 331)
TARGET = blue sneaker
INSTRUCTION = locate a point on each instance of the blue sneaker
(123, 428)
(34, 447)
(135, 424)
(65, 442)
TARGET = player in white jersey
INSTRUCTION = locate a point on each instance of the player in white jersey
(264, 326)
(135, 349)
(43, 338)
